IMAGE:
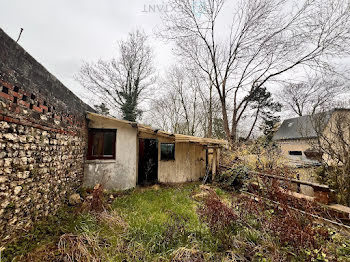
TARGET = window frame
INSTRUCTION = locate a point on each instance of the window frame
(161, 156)
(89, 155)
(295, 153)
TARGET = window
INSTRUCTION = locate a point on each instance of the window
(167, 152)
(295, 153)
(101, 144)
(313, 154)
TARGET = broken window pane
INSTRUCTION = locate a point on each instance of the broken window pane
(167, 151)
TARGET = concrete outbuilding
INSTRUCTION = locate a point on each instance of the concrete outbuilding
(123, 154)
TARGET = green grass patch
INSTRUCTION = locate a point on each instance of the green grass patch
(164, 220)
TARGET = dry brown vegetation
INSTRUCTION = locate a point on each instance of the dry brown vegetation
(175, 224)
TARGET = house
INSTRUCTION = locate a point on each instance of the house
(123, 154)
(300, 138)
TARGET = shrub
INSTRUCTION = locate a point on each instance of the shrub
(267, 154)
(337, 180)
(221, 219)
(233, 179)
(296, 230)
(278, 219)
(97, 198)
(95, 202)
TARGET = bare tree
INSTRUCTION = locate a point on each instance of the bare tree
(314, 94)
(333, 131)
(164, 113)
(121, 82)
(185, 106)
(210, 109)
(177, 109)
(265, 39)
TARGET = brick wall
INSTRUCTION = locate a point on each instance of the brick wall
(42, 141)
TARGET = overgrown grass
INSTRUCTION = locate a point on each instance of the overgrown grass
(164, 220)
(42, 234)
(162, 224)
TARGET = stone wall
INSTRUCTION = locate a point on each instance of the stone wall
(42, 141)
(38, 170)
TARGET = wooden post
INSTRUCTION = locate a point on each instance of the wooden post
(214, 162)
(218, 152)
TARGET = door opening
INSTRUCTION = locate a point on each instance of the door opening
(148, 162)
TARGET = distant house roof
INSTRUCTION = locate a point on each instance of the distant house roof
(303, 127)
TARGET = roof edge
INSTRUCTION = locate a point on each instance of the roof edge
(157, 132)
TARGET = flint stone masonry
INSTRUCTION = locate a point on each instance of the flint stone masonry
(36, 184)
(43, 136)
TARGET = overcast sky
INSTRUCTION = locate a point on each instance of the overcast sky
(62, 34)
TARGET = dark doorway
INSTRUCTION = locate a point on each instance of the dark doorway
(208, 174)
(148, 161)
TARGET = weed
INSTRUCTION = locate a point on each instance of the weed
(219, 192)
(187, 255)
(252, 236)
(292, 229)
(86, 224)
(42, 235)
(221, 219)
(79, 248)
(96, 202)
(112, 220)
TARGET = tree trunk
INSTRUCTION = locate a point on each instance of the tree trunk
(210, 113)
(225, 119)
(234, 127)
(254, 123)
